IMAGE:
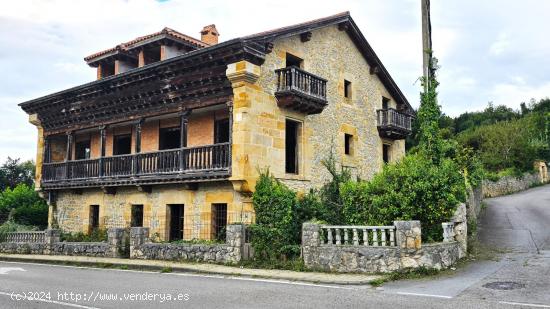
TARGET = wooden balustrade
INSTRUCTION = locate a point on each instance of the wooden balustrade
(294, 78)
(207, 158)
(371, 236)
(391, 117)
(25, 237)
(301, 90)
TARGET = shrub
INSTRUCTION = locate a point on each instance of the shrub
(412, 189)
(276, 233)
(26, 207)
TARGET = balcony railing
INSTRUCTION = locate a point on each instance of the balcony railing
(301, 90)
(393, 124)
(182, 163)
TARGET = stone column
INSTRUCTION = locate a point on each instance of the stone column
(51, 237)
(460, 221)
(235, 238)
(138, 237)
(243, 76)
(310, 242)
(408, 234)
(118, 242)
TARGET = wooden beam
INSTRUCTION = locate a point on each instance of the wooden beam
(306, 36)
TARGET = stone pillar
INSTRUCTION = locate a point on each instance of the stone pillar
(408, 234)
(235, 237)
(51, 237)
(41, 150)
(243, 76)
(138, 237)
(118, 242)
(310, 242)
(460, 221)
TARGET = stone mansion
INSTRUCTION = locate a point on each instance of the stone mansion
(174, 131)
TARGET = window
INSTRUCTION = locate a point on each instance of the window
(169, 138)
(292, 60)
(347, 89)
(82, 150)
(137, 216)
(386, 153)
(219, 215)
(385, 103)
(94, 218)
(221, 131)
(122, 144)
(291, 146)
(176, 213)
(107, 69)
(348, 144)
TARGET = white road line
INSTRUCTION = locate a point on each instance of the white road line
(52, 302)
(83, 267)
(524, 304)
(279, 281)
(425, 295)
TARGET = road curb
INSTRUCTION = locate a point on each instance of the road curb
(176, 269)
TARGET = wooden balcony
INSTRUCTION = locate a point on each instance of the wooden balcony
(393, 124)
(189, 164)
(300, 90)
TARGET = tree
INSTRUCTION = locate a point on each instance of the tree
(24, 206)
(12, 173)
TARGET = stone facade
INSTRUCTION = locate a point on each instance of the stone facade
(230, 252)
(259, 124)
(510, 184)
(408, 253)
(72, 210)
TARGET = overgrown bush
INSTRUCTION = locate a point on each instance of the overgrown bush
(276, 233)
(412, 189)
(25, 206)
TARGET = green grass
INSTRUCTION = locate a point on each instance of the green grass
(292, 264)
(166, 270)
(408, 274)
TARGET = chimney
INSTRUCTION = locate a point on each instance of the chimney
(209, 34)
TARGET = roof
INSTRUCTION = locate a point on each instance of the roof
(166, 32)
(257, 40)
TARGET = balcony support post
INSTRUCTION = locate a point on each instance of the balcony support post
(46, 156)
(69, 153)
(228, 158)
(102, 134)
(137, 128)
(184, 119)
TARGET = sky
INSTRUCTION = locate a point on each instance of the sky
(489, 51)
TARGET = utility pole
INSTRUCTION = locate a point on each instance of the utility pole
(426, 42)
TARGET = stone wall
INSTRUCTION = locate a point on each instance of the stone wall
(115, 246)
(509, 184)
(406, 254)
(473, 202)
(230, 252)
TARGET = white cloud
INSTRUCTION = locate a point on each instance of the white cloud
(48, 39)
(501, 44)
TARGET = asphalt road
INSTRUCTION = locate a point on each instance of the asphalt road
(90, 287)
(519, 223)
(518, 226)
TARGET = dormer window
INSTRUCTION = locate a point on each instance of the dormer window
(145, 50)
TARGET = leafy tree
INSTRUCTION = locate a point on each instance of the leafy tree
(14, 172)
(24, 206)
